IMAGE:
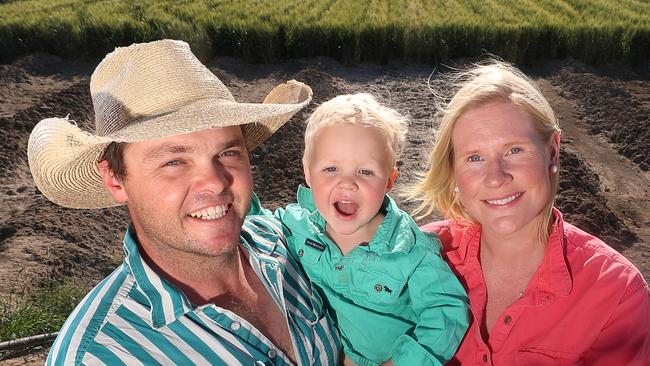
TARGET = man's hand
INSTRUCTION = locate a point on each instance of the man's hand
(388, 363)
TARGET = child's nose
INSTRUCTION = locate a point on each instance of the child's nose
(348, 183)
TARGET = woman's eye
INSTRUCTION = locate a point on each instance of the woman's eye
(474, 158)
(366, 172)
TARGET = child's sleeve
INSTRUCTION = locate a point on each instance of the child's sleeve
(439, 298)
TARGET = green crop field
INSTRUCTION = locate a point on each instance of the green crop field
(350, 31)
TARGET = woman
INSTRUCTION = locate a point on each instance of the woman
(541, 291)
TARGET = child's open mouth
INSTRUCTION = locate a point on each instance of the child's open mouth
(345, 209)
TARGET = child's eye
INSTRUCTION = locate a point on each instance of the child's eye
(366, 172)
(330, 169)
(473, 158)
(514, 150)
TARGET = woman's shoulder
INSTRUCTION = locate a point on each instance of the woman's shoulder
(590, 254)
(449, 232)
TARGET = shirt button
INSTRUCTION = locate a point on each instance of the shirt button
(300, 252)
(507, 319)
(484, 358)
(378, 287)
(235, 325)
(272, 353)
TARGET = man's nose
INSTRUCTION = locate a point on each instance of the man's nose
(211, 178)
(497, 173)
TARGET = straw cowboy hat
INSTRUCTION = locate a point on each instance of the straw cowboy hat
(143, 92)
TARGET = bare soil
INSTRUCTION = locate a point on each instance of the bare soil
(605, 158)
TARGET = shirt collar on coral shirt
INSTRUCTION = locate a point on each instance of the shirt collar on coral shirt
(552, 276)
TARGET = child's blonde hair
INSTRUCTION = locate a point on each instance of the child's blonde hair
(483, 83)
(359, 109)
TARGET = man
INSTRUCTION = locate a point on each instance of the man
(200, 284)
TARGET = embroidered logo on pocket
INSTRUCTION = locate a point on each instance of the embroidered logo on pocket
(314, 244)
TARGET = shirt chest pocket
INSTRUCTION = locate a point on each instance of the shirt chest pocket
(374, 287)
(539, 356)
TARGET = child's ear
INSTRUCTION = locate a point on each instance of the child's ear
(113, 185)
(391, 179)
(305, 169)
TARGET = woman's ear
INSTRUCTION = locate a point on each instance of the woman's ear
(112, 184)
(554, 148)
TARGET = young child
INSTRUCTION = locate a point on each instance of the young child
(392, 295)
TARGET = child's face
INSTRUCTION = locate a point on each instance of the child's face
(349, 173)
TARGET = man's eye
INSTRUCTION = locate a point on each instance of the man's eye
(515, 150)
(474, 158)
(230, 153)
(172, 163)
(366, 172)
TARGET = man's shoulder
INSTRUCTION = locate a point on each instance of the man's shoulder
(268, 226)
(86, 320)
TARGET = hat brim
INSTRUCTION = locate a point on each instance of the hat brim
(63, 158)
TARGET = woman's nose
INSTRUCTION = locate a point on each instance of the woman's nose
(497, 174)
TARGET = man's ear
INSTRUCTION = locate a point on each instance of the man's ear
(111, 183)
(391, 179)
(305, 169)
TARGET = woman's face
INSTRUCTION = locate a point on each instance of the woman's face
(502, 168)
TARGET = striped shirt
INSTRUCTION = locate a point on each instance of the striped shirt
(135, 317)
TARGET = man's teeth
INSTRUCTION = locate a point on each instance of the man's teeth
(211, 213)
(504, 200)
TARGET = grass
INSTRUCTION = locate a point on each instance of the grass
(351, 31)
(43, 310)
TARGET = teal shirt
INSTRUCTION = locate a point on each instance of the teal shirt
(394, 298)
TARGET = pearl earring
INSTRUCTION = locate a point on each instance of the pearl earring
(456, 189)
(553, 168)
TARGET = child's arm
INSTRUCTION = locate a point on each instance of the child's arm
(440, 300)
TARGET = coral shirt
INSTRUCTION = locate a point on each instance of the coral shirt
(585, 305)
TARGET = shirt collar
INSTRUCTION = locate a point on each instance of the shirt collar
(553, 275)
(394, 234)
(166, 302)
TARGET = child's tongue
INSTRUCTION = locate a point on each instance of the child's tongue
(346, 208)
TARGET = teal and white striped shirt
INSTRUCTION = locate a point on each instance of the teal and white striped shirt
(135, 317)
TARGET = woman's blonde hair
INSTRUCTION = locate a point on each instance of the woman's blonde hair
(482, 83)
(363, 110)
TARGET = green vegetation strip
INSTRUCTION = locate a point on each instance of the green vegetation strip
(350, 31)
(41, 311)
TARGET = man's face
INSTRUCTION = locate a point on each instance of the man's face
(189, 194)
